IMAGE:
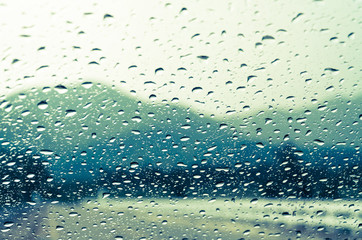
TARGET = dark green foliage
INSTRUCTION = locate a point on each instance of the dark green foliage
(285, 175)
(21, 175)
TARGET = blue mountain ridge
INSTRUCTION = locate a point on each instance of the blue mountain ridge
(80, 132)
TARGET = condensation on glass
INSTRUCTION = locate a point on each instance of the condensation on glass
(180, 120)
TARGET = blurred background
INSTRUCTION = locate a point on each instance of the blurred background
(234, 102)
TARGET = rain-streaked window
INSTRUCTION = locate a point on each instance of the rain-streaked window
(180, 119)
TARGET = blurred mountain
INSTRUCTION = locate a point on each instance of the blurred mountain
(85, 130)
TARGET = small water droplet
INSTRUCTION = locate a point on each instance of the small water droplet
(203, 57)
(70, 113)
(87, 85)
(159, 71)
(197, 89)
(134, 164)
(267, 37)
(8, 224)
(185, 138)
(246, 232)
(43, 105)
(260, 145)
(318, 142)
(46, 152)
(107, 16)
(59, 228)
(222, 126)
(61, 89)
(73, 214)
(152, 97)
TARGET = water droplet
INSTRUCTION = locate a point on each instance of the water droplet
(197, 89)
(332, 70)
(223, 126)
(61, 89)
(8, 224)
(132, 67)
(107, 16)
(87, 85)
(70, 113)
(46, 152)
(152, 97)
(159, 71)
(105, 195)
(8, 108)
(351, 35)
(43, 105)
(318, 142)
(137, 119)
(59, 228)
(31, 175)
(260, 145)
(267, 37)
(185, 138)
(203, 57)
(73, 214)
(134, 164)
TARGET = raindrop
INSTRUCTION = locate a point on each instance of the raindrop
(251, 78)
(46, 152)
(43, 105)
(159, 71)
(185, 138)
(8, 108)
(59, 228)
(105, 195)
(223, 126)
(183, 10)
(73, 214)
(8, 224)
(318, 142)
(267, 37)
(87, 85)
(333, 70)
(203, 57)
(197, 89)
(260, 145)
(107, 16)
(134, 164)
(152, 97)
(296, 17)
(61, 89)
(70, 113)
(351, 35)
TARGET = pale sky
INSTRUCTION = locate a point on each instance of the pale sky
(283, 53)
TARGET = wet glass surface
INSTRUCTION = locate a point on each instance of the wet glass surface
(180, 120)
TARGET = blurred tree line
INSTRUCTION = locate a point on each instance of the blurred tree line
(288, 175)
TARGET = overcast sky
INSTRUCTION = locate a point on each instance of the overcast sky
(215, 56)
